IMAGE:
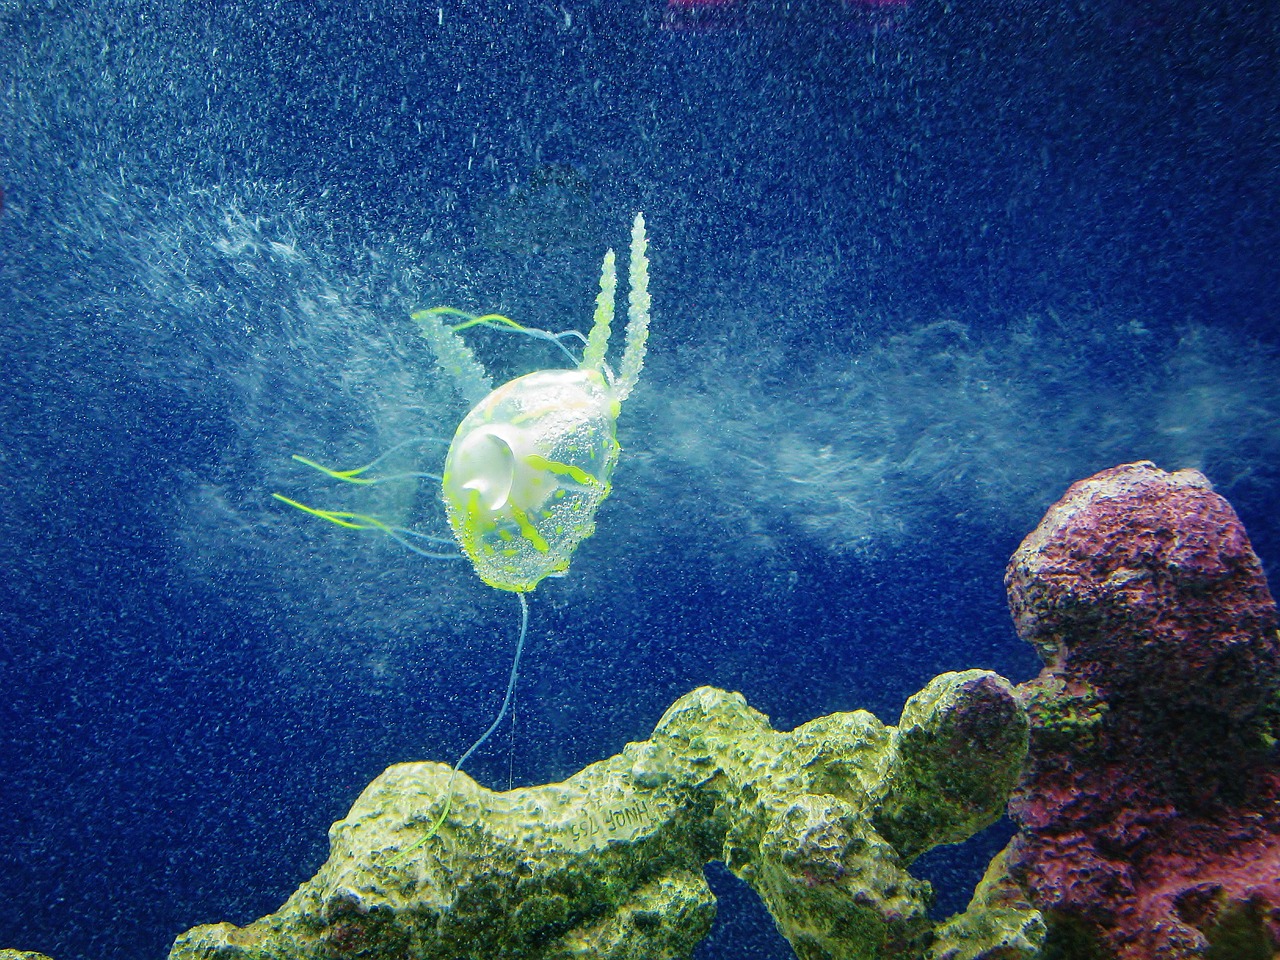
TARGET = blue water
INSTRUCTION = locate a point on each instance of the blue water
(909, 281)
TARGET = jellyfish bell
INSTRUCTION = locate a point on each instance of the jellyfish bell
(528, 469)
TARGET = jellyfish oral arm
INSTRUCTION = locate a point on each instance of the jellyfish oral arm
(601, 326)
(637, 312)
(453, 356)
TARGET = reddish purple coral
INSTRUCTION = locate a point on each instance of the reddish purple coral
(1150, 807)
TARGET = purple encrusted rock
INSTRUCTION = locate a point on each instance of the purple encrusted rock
(1150, 806)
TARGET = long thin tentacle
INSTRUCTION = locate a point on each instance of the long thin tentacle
(354, 475)
(497, 321)
(363, 521)
(506, 703)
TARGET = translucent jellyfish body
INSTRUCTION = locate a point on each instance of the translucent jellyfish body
(531, 462)
(527, 470)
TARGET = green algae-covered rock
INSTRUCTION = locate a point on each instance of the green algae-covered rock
(999, 923)
(936, 793)
(822, 822)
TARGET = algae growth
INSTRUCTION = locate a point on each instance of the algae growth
(822, 822)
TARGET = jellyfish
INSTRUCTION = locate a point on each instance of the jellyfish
(530, 464)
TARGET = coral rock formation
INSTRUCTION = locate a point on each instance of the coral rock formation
(822, 822)
(1150, 810)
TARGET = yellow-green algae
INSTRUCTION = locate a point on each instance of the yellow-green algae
(999, 923)
(822, 822)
